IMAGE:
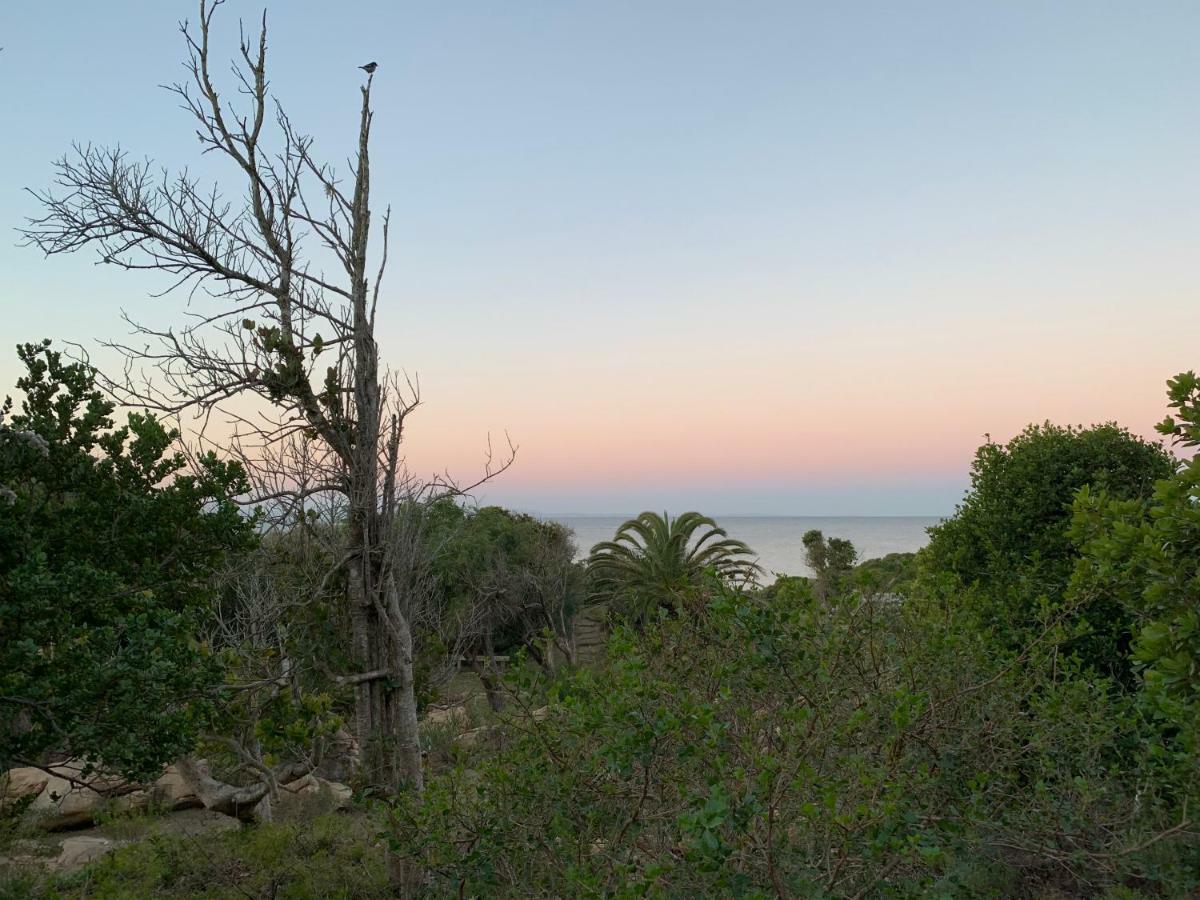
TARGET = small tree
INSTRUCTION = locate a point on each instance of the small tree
(831, 561)
(108, 548)
(652, 560)
(518, 578)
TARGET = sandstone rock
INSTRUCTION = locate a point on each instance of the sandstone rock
(67, 854)
(65, 805)
(451, 716)
(310, 786)
(340, 759)
(171, 791)
(79, 851)
(71, 799)
(98, 780)
(23, 853)
(17, 784)
(476, 737)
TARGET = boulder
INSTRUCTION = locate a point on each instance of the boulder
(17, 784)
(23, 853)
(79, 851)
(71, 799)
(447, 716)
(312, 786)
(171, 791)
(64, 804)
(340, 760)
(477, 737)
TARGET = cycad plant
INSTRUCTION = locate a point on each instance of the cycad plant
(653, 559)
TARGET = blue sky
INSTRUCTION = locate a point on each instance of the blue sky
(741, 256)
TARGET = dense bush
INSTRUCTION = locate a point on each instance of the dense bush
(1007, 549)
(513, 574)
(332, 856)
(107, 549)
(1011, 714)
(1144, 559)
(801, 748)
(890, 574)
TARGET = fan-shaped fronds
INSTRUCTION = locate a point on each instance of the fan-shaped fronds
(653, 558)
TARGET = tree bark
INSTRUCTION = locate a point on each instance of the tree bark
(275, 306)
(239, 802)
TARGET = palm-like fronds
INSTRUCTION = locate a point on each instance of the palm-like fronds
(652, 558)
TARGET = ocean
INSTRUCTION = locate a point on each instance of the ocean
(776, 539)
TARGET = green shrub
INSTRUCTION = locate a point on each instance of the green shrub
(1007, 550)
(892, 574)
(1144, 559)
(788, 746)
(332, 856)
(108, 543)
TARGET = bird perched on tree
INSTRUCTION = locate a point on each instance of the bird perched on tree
(370, 68)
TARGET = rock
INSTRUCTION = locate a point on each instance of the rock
(449, 716)
(135, 800)
(172, 792)
(17, 784)
(64, 804)
(71, 799)
(66, 854)
(312, 786)
(340, 760)
(79, 851)
(98, 780)
(477, 737)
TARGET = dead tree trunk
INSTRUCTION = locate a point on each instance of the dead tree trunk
(276, 312)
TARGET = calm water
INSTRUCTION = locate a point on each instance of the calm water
(776, 539)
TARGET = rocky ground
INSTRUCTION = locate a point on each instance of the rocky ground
(64, 816)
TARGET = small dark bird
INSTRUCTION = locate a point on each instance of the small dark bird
(370, 68)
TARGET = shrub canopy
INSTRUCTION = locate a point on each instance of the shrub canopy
(107, 545)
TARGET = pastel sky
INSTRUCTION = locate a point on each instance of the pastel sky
(741, 256)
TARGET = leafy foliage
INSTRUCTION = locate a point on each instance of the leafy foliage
(328, 857)
(653, 560)
(513, 573)
(107, 545)
(1145, 560)
(1008, 549)
(797, 747)
(890, 574)
(831, 561)
(853, 734)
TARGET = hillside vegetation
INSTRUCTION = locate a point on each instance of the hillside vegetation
(1010, 712)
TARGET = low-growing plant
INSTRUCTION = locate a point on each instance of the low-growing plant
(330, 856)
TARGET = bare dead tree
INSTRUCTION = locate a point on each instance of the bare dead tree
(274, 326)
(259, 625)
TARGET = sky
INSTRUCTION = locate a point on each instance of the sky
(747, 257)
